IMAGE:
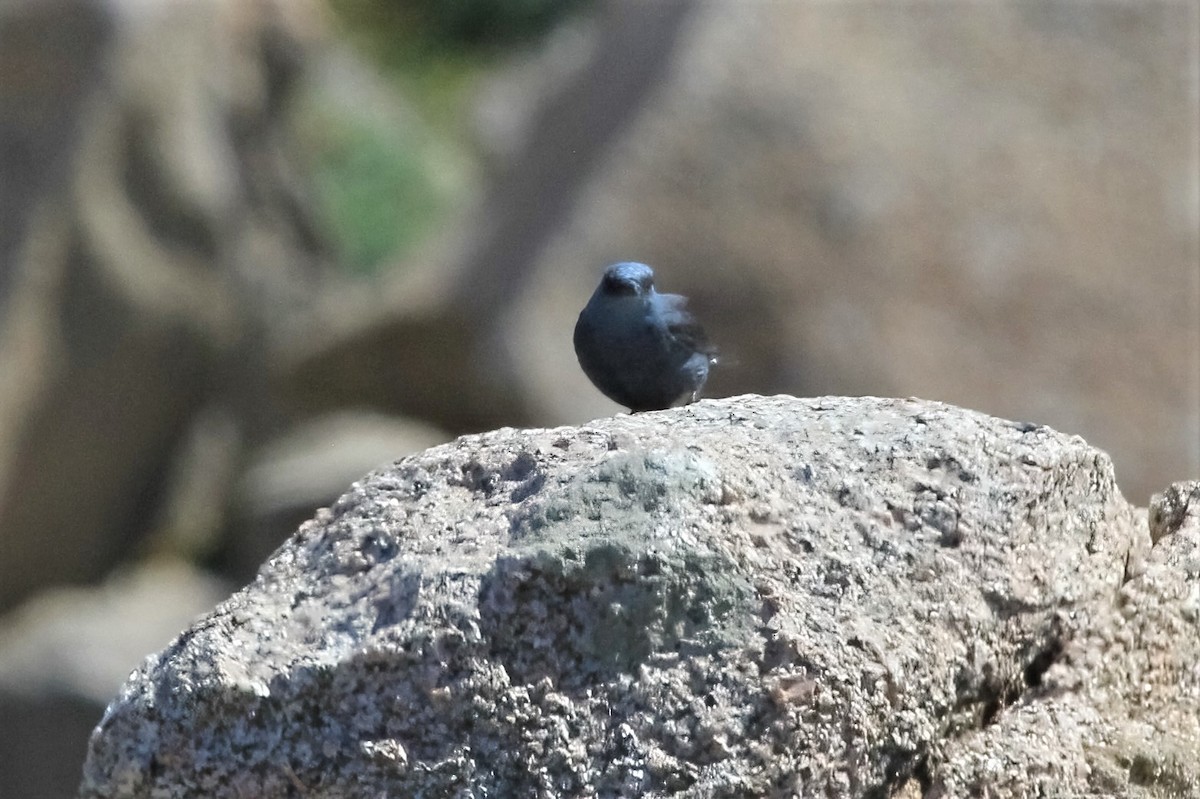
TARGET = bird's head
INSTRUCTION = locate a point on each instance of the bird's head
(628, 279)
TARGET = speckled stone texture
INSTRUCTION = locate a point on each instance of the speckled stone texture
(744, 597)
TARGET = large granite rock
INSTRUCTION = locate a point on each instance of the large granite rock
(744, 597)
(1119, 713)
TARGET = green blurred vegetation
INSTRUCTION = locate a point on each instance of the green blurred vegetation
(377, 186)
(435, 49)
(477, 27)
(383, 186)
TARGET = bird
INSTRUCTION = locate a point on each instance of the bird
(641, 349)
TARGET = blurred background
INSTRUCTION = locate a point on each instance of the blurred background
(252, 249)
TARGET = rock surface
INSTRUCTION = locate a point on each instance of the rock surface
(309, 467)
(754, 596)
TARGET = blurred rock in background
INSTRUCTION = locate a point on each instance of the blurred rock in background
(444, 320)
(992, 205)
(154, 264)
(243, 262)
(62, 653)
(156, 247)
(308, 467)
(995, 206)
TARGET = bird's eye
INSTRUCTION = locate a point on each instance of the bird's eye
(618, 287)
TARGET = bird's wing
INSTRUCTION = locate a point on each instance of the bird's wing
(682, 326)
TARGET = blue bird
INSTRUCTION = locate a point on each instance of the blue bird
(642, 349)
